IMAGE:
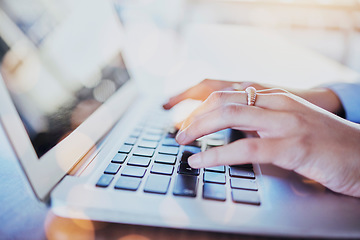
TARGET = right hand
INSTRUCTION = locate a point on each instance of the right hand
(293, 134)
(322, 97)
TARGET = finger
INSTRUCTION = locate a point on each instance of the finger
(244, 151)
(215, 100)
(241, 86)
(176, 99)
(198, 92)
(274, 98)
(202, 90)
(237, 116)
(275, 101)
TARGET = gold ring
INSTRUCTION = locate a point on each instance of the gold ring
(251, 95)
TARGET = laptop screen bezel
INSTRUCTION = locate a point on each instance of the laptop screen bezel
(45, 172)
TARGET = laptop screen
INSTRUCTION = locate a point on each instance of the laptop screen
(60, 67)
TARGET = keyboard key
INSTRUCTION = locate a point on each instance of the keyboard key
(166, 159)
(220, 169)
(145, 152)
(132, 171)
(139, 161)
(162, 169)
(119, 158)
(172, 134)
(184, 157)
(128, 183)
(170, 142)
(250, 166)
(136, 133)
(214, 191)
(236, 135)
(220, 135)
(241, 183)
(125, 148)
(185, 185)
(214, 143)
(157, 184)
(130, 141)
(184, 168)
(242, 172)
(104, 180)
(191, 149)
(152, 137)
(154, 131)
(195, 143)
(244, 196)
(112, 168)
(169, 150)
(188, 151)
(212, 177)
(148, 144)
(156, 123)
(156, 126)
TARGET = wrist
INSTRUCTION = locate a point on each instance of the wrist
(324, 98)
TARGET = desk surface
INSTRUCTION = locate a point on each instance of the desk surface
(22, 216)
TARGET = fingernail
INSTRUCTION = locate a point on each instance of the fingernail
(195, 161)
(180, 137)
(166, 106)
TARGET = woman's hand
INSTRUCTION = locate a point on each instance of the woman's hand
(202, 90)
(294, 134)
(321, 97)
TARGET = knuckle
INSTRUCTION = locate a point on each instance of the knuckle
(206, 80)
(303, 149)
(304, 142)
(252, 149)
(194, 122)
(216, 96)
(248, 84)
(230, 110)
(295, 121)
(298, 120)
(285, 100)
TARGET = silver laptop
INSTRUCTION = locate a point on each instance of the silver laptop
(94, 149)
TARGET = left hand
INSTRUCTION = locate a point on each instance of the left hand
(322, 97)
(202, 90)
(294, 134)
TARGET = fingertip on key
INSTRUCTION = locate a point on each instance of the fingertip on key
(195, 160)
(180, 137)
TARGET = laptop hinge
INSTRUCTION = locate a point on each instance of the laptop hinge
(85, 161)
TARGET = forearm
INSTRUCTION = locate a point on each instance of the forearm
(349, 95)
(324, 98)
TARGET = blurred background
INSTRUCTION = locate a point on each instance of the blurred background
(162, 44)
(170, 45)
(329, 27)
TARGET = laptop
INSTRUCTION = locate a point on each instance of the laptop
(93, 148)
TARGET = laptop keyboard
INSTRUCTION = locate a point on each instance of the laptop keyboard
(150, 160)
